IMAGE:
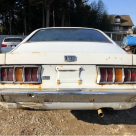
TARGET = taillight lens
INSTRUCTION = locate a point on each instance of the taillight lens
(106, 75)
(118, 74)
(127, 73)
(6, 74)
(28, 74)
(130, 75)
(31, 74)
(110, 74)
(10, 74)
(4, 45)
(34, 74)
(133, 75)
(103, 72)
(22, 74)
(19, 74)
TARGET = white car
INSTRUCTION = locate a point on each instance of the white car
(9, 43)
(68, 68)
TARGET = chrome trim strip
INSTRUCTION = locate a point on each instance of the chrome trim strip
(131, 92)
(113, 75)
(67, 89)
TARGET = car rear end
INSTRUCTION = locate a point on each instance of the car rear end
(68, 75)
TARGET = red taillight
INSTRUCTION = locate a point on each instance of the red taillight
(130, 75)
(133, 75)
(6, 74)
(27, 74)
(10, 74)
(106, 75)
(103, 75)
(127, 73)
(31, 74)
(34, 74)
(110, 74)
(4, 45)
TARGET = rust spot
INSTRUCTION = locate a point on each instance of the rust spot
(109, 57)
(50, 65)
(115, 58)
(61, 66)
(106, 59)
(79, 82)
(91, 90)
(91, 100)
(133, 99)
(48, 100)
(58, 82)
(121, 58)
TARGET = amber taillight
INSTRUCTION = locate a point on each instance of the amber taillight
(19, 74)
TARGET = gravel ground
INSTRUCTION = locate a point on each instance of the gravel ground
(66, 122)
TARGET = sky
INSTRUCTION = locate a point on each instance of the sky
(120, 7)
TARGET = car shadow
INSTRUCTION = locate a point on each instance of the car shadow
(112, 117)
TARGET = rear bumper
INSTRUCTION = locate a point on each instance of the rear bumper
(68, 106)
(44, 99)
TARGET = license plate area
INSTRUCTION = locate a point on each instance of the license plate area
(69, 74)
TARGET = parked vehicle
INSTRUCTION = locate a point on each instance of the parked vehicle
(9, 43)
(68, 68)
(129, 43)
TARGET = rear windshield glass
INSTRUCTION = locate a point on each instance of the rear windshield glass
(13, 40)
(68, 34)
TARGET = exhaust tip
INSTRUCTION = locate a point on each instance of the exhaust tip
(100, 113)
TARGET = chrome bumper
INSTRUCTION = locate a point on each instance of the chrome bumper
(67, 96)
(41, 99)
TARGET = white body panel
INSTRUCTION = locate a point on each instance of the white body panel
(72, 47)
(2, 59)
(58, 58)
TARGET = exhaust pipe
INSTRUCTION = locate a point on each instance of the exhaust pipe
(100, 113)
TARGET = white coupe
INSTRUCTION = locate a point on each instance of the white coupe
(68, 68)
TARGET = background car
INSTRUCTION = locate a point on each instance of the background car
(10, 43)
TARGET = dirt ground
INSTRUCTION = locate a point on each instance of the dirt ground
(66, 122)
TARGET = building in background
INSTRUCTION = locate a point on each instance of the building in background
(122, 26)
(122, 23)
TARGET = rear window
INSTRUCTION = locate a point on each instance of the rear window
(13, 40)
(68, 34)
